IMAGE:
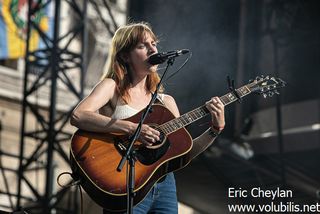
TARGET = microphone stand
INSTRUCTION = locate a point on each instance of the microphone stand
(130, 154)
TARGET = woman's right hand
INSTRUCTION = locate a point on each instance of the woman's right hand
(148, 135)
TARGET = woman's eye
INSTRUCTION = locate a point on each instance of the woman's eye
(141, 46)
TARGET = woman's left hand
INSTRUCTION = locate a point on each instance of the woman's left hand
(216, 109)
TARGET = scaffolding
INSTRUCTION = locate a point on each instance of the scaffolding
(46, 68)
(53, 84)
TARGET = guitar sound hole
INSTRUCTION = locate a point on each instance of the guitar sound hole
(159, 142)
(150, 154)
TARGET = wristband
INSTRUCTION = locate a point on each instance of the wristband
(217, 128)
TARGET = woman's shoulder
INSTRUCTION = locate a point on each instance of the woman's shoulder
(106, 85)
(105, 89)
(166, 98)
(108, 82)
(170, 103)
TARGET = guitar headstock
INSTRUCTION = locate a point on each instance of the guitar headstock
(266, 85)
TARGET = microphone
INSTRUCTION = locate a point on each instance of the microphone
(159, 58)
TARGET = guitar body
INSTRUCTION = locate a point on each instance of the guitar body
(95, 158)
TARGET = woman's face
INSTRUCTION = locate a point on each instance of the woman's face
(138, 57)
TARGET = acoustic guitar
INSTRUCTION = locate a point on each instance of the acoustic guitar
(95, 156)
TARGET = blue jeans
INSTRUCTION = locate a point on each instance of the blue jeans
(162, 198)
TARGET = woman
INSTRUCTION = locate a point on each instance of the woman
(125, 90)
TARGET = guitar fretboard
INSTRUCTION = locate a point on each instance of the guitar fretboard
(202, 111)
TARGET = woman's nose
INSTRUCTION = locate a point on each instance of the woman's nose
(152, 49)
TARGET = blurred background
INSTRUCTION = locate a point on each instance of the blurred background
(53, 52)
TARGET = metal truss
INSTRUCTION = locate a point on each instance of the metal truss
(49, 67)
(47, 70)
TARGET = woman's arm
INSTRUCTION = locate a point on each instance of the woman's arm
(85, 116)
(216, 109)
(201, 143)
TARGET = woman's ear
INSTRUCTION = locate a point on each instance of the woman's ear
(125, 58)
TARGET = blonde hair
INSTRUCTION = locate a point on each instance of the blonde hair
(124, 40)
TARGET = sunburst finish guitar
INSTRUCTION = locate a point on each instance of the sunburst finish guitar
(95, 156)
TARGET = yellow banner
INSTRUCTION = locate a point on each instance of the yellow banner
(13, 28)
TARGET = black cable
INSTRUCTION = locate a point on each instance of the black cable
(177, 71)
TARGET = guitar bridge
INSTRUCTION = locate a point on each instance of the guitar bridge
(120, 145)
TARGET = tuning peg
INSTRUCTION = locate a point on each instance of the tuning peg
(276, 92)
(264, 95)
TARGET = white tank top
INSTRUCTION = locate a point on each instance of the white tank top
(124, 111)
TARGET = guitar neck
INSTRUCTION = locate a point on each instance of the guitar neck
(202, 111)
